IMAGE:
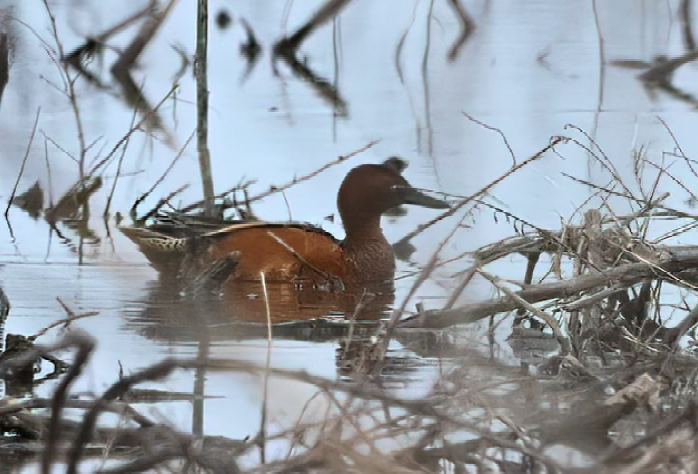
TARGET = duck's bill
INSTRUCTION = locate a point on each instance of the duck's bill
(413, 196)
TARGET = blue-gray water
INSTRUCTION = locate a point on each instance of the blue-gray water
(528, 69)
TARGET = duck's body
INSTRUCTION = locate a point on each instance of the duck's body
(300, 252)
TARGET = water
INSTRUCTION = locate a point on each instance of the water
(528, 69)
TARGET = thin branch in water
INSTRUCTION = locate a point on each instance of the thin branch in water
(24, 162)
(340, 159)
(549, 320)
(327, 11)
(678, 146)
(152, 373)
(69, 90)
(687, 21)
(467, 27)
(121, 71)
(164, 174)
(494, 129)
(85, 345)
(157, 206)
(421, 228)
(142, 122)
(118, 168)
(261, 437)
(201, 73)
(71, 317)
(4, 62)
(401, 43)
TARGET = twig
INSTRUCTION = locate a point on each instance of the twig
(340, 159)
(69, 85)
(71, 317)
(118, 168)
(154, 372)
(202, 105)
(327, 11)
(24, 162)
(549, 320)
(628, 274)
(157, 206)
(261, 438)
(4, 62)
(494, 129)
(164, 174)
(85, 345)
(467, 26)
(421, 228)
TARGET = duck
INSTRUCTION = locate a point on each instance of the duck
(299, 252)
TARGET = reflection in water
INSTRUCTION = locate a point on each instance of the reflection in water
(301, 315)
(241, 311)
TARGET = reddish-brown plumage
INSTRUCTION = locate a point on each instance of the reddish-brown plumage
(267, 249)
(296, 252)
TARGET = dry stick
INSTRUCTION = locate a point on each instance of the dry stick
(621, 454)
(202, 106)
(326, 12)
(678, 146)
(371, 392)
(493, 129)
(424, 274)
(127, 137)
(152, 373)
(119, 408)
(118, 168)
(355, 424)
(601, 188)
(261, 438)
(685, 17)
(467, 26)
(401, 43)
(169, 168)
(85, 345)
(673, 178)
(121, 70)
(150, 8)
(278, 189)
(24, 162)
(602, 67)
(4, 63)
(628, 274)
(549, 320)
(300, 258)
(159, 204)
(469, 274)
(673, 336)
(602, 159)
(241, 186)
(426, 92)
(4, 308)
(340, 159)
(421, 228)
(70, 91)
(71, 317)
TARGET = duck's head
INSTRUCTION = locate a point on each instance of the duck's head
(368, 191)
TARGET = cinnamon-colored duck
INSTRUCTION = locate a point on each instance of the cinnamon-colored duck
(301, 252)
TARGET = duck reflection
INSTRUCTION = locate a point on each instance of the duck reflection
(244, 310)
(352, 321)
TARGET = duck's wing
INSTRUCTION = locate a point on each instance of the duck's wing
(167, 243)
(304, 226)
(282, 252)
